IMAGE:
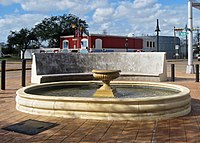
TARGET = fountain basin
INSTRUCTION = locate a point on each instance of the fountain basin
(140, 108)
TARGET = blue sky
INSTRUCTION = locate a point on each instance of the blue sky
(117, 17)
(172, 2)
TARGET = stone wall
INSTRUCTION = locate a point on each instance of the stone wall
(143, 63)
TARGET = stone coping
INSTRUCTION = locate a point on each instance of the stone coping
(67, 74)
(90, 74)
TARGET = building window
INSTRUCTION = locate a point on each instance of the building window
(150, 44)
(65, 44)
(153, 44)
(84, 43)
(147, 43)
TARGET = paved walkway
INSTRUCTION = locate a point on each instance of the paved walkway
(178, 130)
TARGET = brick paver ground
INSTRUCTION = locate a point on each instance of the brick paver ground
(178, 130)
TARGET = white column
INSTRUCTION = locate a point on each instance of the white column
(190, 66)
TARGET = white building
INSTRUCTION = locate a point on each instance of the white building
(29, 52)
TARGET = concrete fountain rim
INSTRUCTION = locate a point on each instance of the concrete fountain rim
(183, 91)
(145, 108)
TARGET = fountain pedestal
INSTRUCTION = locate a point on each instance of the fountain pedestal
(106, 76)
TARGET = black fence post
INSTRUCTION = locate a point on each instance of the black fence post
(197, 73)
(172, 73)
(3, 74)
(23, 72)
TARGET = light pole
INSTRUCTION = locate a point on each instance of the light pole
(190, 66)
(174, 38)
(78, 30)
(198, 39)
(157, 35)
(126, 44)
(186, 42)
(195, 4)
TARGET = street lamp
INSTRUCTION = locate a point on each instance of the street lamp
(195, 4)
(157, 35)
(186, 42)
(126, 44)
(78, 29)
(198, 39)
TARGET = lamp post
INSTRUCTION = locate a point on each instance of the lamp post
(77, 29)
(126, 44)
(190, 66)
(195, 4)
(198, 39)
(157, 35)
(186, 42)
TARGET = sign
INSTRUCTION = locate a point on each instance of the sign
(183, 33)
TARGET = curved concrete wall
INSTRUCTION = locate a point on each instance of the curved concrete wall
(143, 108)
(131, 64)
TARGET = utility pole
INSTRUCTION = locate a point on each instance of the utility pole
(174, 38)
(157, 35)
(198, 34)
(190, 66)
(195, 4)
(198, 44)
(186, 42)
(126, 44)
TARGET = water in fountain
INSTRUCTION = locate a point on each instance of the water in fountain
(123, 91)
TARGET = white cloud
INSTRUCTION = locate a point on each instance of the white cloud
(139, 17)
(16, 22)
(9, 2)
(123, 10)
(39, 5)
(143, 3)
(75, 6)
(103, 15)
(106, 25)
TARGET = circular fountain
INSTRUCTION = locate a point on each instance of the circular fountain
(118, 100)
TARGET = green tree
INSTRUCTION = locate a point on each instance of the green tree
(6, 50)
(22, 40)
(50, 29)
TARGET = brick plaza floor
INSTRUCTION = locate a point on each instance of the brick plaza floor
(178, 130)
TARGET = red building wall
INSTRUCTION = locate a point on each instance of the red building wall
(111, 42)
(72, 41)
(117, 42)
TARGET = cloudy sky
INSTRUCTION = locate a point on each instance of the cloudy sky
(117, 17)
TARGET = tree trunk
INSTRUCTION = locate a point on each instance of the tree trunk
(23, 54)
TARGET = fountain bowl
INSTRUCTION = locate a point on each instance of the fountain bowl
(106, 76)
(141, 108)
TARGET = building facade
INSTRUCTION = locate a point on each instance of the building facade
(110, 43)
(99, 42)
(168, 44)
